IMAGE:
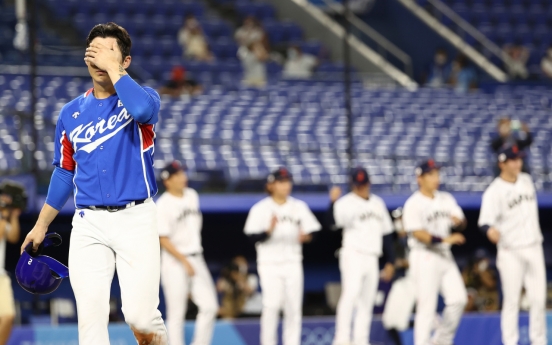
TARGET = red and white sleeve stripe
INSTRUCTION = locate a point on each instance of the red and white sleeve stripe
(148, 135)
(66, 160)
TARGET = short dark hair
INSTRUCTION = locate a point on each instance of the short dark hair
(112, 30)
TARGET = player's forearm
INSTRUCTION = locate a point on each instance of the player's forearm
(424, 236)
(167, 245)
(61, 187)
(261, 237)
(116, 72)
(46, 216)
(141, 105)
(486, 228)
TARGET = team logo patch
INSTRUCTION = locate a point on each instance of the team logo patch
(81, 214)
(75, 114)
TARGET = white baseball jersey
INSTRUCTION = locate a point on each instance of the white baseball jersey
(283, 245)
(512, 209)
(364, 222)
(433, 215)
(179, 219)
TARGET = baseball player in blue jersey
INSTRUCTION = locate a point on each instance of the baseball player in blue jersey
(104, 155)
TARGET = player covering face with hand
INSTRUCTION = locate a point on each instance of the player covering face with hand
(367, 228)
(429, 216)
(279, 225)
(103, 154)
(510, 218)
(183, 269)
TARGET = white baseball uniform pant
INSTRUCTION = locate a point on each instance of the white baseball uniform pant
(177, 286)
(126, 241)
(435, 272)
(523, 267)
(359, 285)
(399, 305)
(282, 289)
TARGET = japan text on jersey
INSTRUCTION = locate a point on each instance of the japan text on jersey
(110, 154)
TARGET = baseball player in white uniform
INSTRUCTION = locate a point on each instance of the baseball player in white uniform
(509, 216)
(428, 217)
(367, 228)
(183, 269)
(9, 232)
(279, 225)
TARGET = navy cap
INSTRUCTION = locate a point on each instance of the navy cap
(282, 174)
(426, 167)
(359, 176)
(171, 169)
(511, 152)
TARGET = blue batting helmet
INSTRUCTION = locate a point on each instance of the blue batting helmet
(40, 274)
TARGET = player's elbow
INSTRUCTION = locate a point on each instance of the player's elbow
(146, 110)
(145, 115)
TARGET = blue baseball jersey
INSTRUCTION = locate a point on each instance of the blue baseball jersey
(109, 152)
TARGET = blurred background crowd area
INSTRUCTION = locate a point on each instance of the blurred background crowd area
(248, 86)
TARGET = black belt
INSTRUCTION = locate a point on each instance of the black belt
(116, 208)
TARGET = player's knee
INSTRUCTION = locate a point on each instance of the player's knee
(141, 321)
(293, 314)
(270, 303)
(209, 310)
(91, 310)
(538, 302)
(271, 308)
(349, 295)
(510, 303)
(459, 301)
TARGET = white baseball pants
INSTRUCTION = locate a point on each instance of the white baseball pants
(127, 241)
(282, 289)
(359, 285)
(519, 268)
(436, 272)
(399, 305)
(177, 285)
